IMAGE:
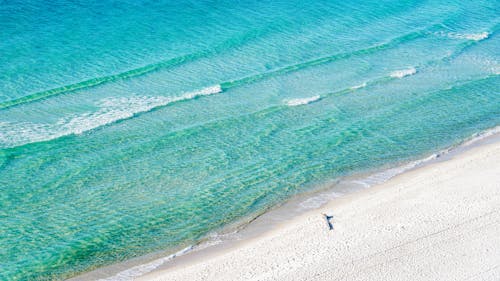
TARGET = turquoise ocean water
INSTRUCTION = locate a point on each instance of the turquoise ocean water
(137, 126)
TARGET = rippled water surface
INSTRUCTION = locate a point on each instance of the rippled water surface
(136, 126)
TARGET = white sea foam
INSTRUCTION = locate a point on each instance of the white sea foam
(110, 110)
(481, 135)
(403, 73)
(467, 36)
(358, 86)
(302, 101)
(483, 62)
(386, 175)
(319, 200)
(139, 270)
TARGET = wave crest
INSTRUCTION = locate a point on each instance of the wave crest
(467, 36)
(359, 86)
(403, 73)
(303, 101)
(110, 111)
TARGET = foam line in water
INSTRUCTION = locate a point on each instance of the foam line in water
(319, 200)
(217, 49)
(476, 36)
(111, 110)
(139, 270)
(465, 36)
(403, 73)
(115, 109)
(303, 101)
(323, 60)
(386, 175)
(359, 86)
(165, 64)
(98, 81)
(191, 57)
(481, 135)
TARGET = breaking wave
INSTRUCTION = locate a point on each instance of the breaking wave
(110, 111)
(359, 86)
(303, 101)
(403, 73)
(466, 36)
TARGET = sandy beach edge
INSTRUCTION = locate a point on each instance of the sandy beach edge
(440, 221)
(160, 267)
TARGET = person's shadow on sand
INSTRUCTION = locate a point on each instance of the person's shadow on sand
(329, 223)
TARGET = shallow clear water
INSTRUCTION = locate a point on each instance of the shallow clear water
(127, 128)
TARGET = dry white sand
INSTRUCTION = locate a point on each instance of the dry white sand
(438, 222)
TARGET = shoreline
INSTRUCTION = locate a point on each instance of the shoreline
(437, 222)
(250, 229)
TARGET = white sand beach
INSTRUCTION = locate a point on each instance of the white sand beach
(437, 222)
